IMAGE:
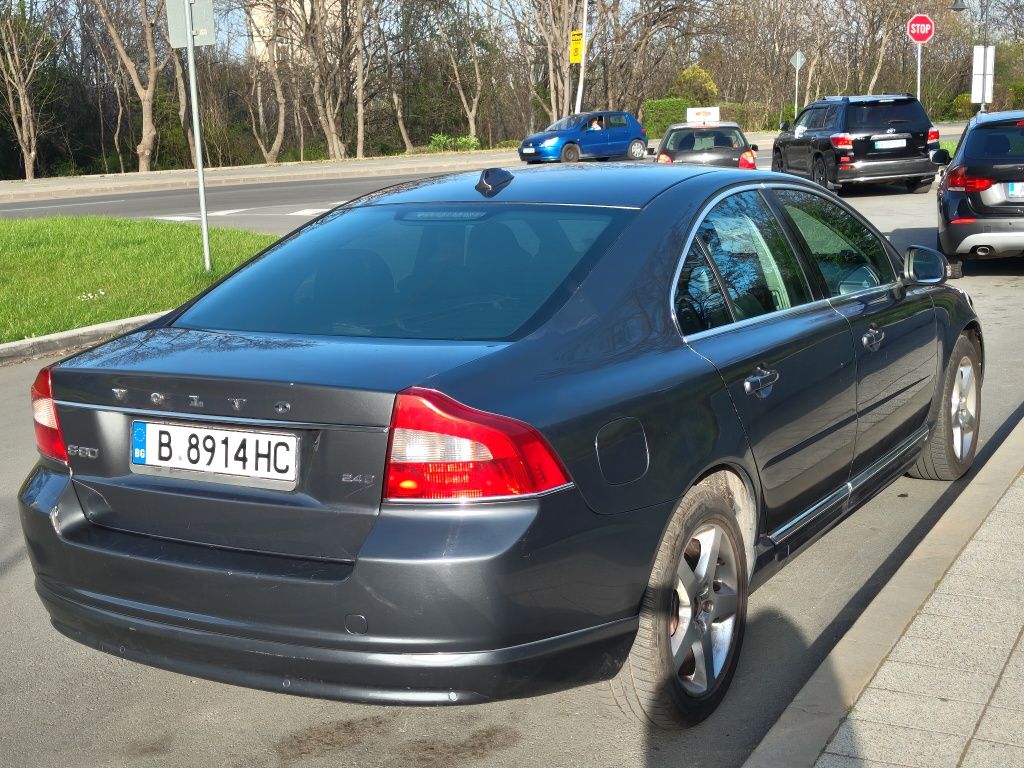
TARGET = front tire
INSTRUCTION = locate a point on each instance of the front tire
(778, 164)
(570, 154)
(954, 439)
(692, 617)
(637, 150)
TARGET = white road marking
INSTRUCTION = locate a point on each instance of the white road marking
(307, 212)
(62, 205)
(176, 218)
(227, 213)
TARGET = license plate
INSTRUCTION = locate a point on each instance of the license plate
(1016, 189)
(210, 452)
(528, 150)
(890, 143)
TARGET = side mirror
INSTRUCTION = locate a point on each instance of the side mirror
(753, 148)
(941, 157)
(924, 266)
(784, 125)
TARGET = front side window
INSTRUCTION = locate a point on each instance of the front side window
(699, 302)
(455, 271)
(851, 258)
(808, 117)
(759, 270)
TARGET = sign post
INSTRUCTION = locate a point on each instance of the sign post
(920, 30)
(983, 75)
(797, 60)
(190, 23)
(578, 54)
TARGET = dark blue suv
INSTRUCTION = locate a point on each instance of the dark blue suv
(589, 135)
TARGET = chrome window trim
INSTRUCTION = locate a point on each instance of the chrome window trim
(816, 304)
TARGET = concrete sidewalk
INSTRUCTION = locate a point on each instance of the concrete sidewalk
(951, 692)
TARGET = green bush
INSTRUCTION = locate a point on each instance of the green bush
(695, 85)
(466, 143)
(507, 144)
(441, 142)
(751, 115)
(962, 108)
(1014, 96)
(659, 114)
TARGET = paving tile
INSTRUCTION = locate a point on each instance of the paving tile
(1003, 725)
(1010, 575)
(987, 754)
(987, 552)
(886, 743)
(1007, 527)
(968, 658)
(965, 629)
(948, 603)
(974, 585)
(1015, 666)
(912, 710)
(828, 760)
(932, 681)
(1009, 694)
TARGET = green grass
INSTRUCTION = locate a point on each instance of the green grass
(949, 145)
(69, 271)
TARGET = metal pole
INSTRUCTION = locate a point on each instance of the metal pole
(204, 224)
(918, 71)
(984, 54)
(796, 93)
(583, 60)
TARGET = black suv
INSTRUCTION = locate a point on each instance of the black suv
(843, 140)
(981, 195)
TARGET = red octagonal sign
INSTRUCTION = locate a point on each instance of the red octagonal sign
(920, 28)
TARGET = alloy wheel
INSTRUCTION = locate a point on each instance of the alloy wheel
(637, 150)
(703, 608)
(963, 405)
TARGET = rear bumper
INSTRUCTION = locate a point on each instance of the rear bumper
(1003, 237)
(516, 608)
(880, 171)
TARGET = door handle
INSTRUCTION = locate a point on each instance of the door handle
(760, 382)
(872, 339)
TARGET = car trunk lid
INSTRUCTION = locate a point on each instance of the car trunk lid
(330, 399)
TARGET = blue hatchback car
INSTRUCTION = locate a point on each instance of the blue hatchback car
(590, 135)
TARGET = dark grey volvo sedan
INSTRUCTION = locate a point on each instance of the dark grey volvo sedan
(481, 437)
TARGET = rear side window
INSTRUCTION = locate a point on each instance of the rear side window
(851, 258)
(703, 139)
(759, 270)
(616, 121)
(995, 144)
(883, 114)
(470, 271)
(699, 302)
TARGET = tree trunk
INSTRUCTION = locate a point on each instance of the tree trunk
(148, 142)
(186, 125)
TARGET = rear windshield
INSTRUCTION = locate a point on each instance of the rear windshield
(703, 139)
(882, 114)
(480, 272)
(995, 144)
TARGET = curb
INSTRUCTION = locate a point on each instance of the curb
(803, 730)
(182, 180)
(15, 351)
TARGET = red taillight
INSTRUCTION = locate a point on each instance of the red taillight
(957, 180)
(933, 134)
(841, 140)
(49, 440)
(963, 221)
(442, 449)
(747, 159)
(643, 130)
(664, 158)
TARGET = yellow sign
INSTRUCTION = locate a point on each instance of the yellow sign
(576, 46)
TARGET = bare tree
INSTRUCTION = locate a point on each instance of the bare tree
(145, 90)
(266, 18)
(469, 89)
(26, 45)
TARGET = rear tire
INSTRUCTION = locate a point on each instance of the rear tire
(778, 164)
(956, 267)
(570, 154)
(692, 605)
(818, 173)
(637, 150)
(957, 413)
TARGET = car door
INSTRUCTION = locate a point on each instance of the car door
(798, 150)
(894, 328)
(619, 134)
(594, 143)
(787, 361)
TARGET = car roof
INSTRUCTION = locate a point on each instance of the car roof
(709, 126)
(622, 185)
(998, 117)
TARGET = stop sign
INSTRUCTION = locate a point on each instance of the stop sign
(920, 28)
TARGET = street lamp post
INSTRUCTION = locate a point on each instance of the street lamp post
(959, 6)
